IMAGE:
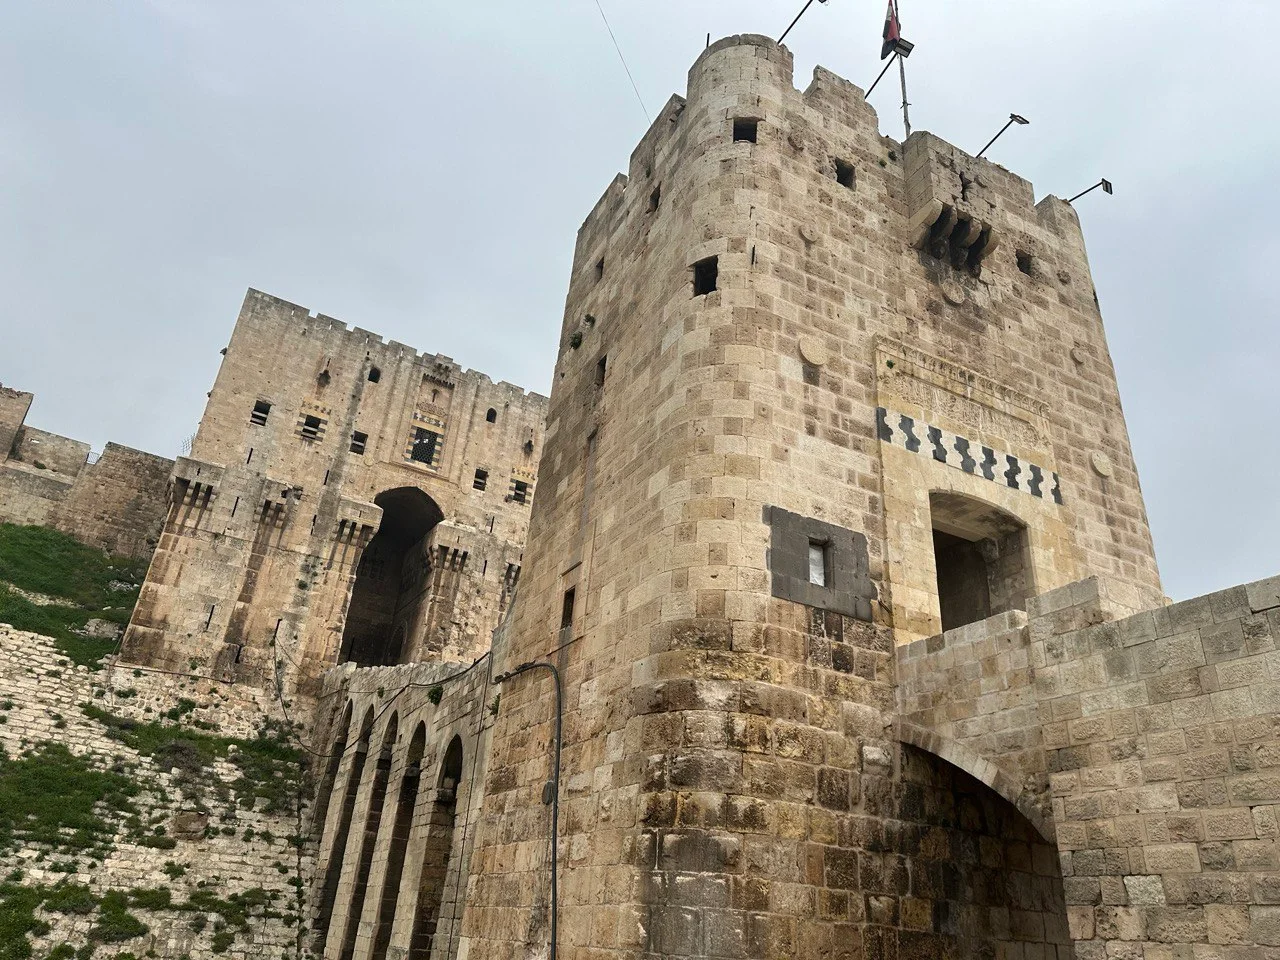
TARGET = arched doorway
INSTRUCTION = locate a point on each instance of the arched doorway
(406, 804)
(964, 875)
(435, 856)
(391, 581)
(982, 558)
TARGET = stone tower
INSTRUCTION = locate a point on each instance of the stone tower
(345, 500)
(819, 393)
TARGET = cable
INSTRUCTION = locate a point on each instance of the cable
(624, 61)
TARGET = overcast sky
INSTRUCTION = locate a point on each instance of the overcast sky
(420, 168)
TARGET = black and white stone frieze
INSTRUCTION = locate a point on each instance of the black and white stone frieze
(967, 455)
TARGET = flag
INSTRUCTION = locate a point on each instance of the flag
(892, 30)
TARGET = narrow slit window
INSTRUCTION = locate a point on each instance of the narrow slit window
(311, 427)
(482, 479)
(745, 129)
(845, 175)
(358, 442)
(601, 365)
(260, 411)
(566, 609)
(819, 563)
(705, 274)
(655, 198)
(599, 269)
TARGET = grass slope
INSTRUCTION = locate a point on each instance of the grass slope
(45, 561)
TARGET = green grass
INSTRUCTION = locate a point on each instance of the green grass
(269, 767)
(17, 919)
(50, 796)
(45, 561)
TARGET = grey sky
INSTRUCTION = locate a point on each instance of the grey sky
(420, 168)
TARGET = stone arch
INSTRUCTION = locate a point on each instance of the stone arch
(402, 828)
(341, 834)
(369, 841)
(437, 851)
(389, 594)
(329, 779)
(982, 558)
(981, 769)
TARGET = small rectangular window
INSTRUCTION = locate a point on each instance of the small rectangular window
(705, 274)
(744, 129)
(425, 444)
(358, 442)
(819, 563)
(566, 609)
(481, 480)
(520, 491)
(599, 269)
(601, 366)
(260, 411)
(311, 427)
(844, 174)
(655, 198)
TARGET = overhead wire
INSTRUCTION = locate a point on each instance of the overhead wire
(639, 99)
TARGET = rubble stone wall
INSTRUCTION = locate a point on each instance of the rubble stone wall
(207, 853)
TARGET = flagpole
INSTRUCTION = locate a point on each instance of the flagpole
(902, 73)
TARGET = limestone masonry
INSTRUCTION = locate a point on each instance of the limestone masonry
(116, 502)
(838, 630)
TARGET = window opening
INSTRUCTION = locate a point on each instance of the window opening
(358, 442)
(820, 563)
(566, 610)
(705, 274)
(599, 269)
(520, 492)
(311, 427)
(744, 129)
(1025, 262)
(655, 198)
(491, 416)
(260, 411)
(425, 444)
(374, 374)
(481, 480)
(982, 559)
(601, 365)
(249, 458)
(845, 174)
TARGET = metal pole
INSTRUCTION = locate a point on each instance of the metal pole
(906, 116)
(1007, 125)
(1090, 190)
(795, 21)
(867, 95)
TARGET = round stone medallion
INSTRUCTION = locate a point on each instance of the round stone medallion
(813, 352)
(953, 293)
(1101, 463)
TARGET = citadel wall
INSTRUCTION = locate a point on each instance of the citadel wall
(357, 502)
(116, 503)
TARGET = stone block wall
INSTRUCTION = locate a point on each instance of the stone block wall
(118, 503)
(1145, 745)
(204, 840)
(14, 405)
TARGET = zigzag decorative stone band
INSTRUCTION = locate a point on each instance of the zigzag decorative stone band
(963, 454)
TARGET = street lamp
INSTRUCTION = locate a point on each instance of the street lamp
(1104, 183)
(1013, 118)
